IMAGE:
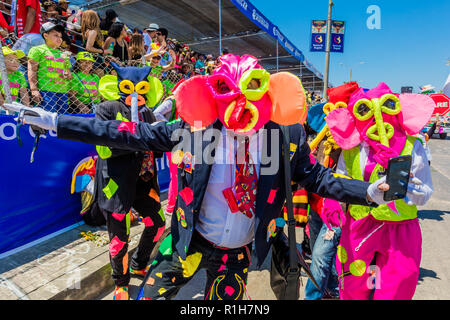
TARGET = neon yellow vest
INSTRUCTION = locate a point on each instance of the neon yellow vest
(382, 212)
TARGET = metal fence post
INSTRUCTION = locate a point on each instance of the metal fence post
(4, 75)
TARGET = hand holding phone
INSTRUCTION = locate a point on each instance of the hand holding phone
(398, 174)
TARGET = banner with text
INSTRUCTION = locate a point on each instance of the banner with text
(319, 36)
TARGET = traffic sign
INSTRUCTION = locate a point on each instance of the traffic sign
(442, 103)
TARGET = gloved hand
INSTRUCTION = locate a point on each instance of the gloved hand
(376, 190)
(332, 214)
(415, 195)
(35, 116)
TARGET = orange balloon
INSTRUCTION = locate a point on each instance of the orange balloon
(288, 99)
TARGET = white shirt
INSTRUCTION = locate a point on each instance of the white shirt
(419, 168)
(216, 222)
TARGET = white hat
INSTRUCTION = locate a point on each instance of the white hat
(152, 27)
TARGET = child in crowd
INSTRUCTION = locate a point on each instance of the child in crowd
(49, 71)
(17, 83)
(83, 91)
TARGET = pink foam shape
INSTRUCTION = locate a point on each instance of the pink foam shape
(343, 128)
(119, 216)
(115, 246)
(229, 290)
(272, 195)
(159, 234)
(148, 222)
(187, 195)
(417, 110)
(222, 267)
(225, 258)
(127, 126)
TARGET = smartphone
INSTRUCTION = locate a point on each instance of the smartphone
(398, 177)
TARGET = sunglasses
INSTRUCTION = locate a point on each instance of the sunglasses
(159, 34)
(156, 58)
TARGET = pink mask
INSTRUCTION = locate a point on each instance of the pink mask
(242, 95)
(381, 118)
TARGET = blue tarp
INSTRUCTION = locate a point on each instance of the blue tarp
(35, 197)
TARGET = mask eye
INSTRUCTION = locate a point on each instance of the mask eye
(390, 104)
(221, 87)
(363, 109)
(126, 86)
(254, 84)
(142, 87)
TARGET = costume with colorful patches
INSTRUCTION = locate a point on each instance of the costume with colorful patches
(380, 249)
(126, 179)
(324, 238)
(222, 208)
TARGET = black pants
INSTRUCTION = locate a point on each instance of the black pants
(118, 230)
(227, 271)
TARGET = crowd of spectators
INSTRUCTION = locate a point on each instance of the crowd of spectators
(56, 53)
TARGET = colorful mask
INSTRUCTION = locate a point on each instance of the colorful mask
(131, 80)
(381, 118)
(242, 95)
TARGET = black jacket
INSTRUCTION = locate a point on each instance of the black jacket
(314, 177)
(121, 167)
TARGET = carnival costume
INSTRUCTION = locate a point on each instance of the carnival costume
(380, 248)
(221, 208)
(325, 236)
(126, 179)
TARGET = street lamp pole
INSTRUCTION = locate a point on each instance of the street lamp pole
(350, 69)
(327, 55)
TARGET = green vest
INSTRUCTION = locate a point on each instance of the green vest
(382, 212)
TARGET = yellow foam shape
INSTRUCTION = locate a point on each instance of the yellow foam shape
(191, 264)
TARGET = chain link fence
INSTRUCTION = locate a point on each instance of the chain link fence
(59, 82)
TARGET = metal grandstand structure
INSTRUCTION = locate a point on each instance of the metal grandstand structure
(209, 25)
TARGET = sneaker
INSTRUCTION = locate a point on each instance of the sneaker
(139, 273)
(121, 293)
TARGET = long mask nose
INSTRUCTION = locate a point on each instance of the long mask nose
(380, 131)
(134, 107)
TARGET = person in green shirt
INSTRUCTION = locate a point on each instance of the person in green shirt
(17, 83)
(83, 92)
(49, 71)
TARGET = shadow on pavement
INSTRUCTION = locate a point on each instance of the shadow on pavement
(432, 214)
(426, 273)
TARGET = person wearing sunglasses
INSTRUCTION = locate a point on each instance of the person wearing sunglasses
(167, 45)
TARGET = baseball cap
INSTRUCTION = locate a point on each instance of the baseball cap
(84, 55)
(152, 27)
(163, 31)
(49, 26)
(19, 53)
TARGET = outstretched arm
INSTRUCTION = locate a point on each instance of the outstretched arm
(323, 181)
(116, 134)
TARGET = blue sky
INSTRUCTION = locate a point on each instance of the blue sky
(411, 48)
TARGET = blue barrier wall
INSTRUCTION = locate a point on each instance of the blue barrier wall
(35, 197)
